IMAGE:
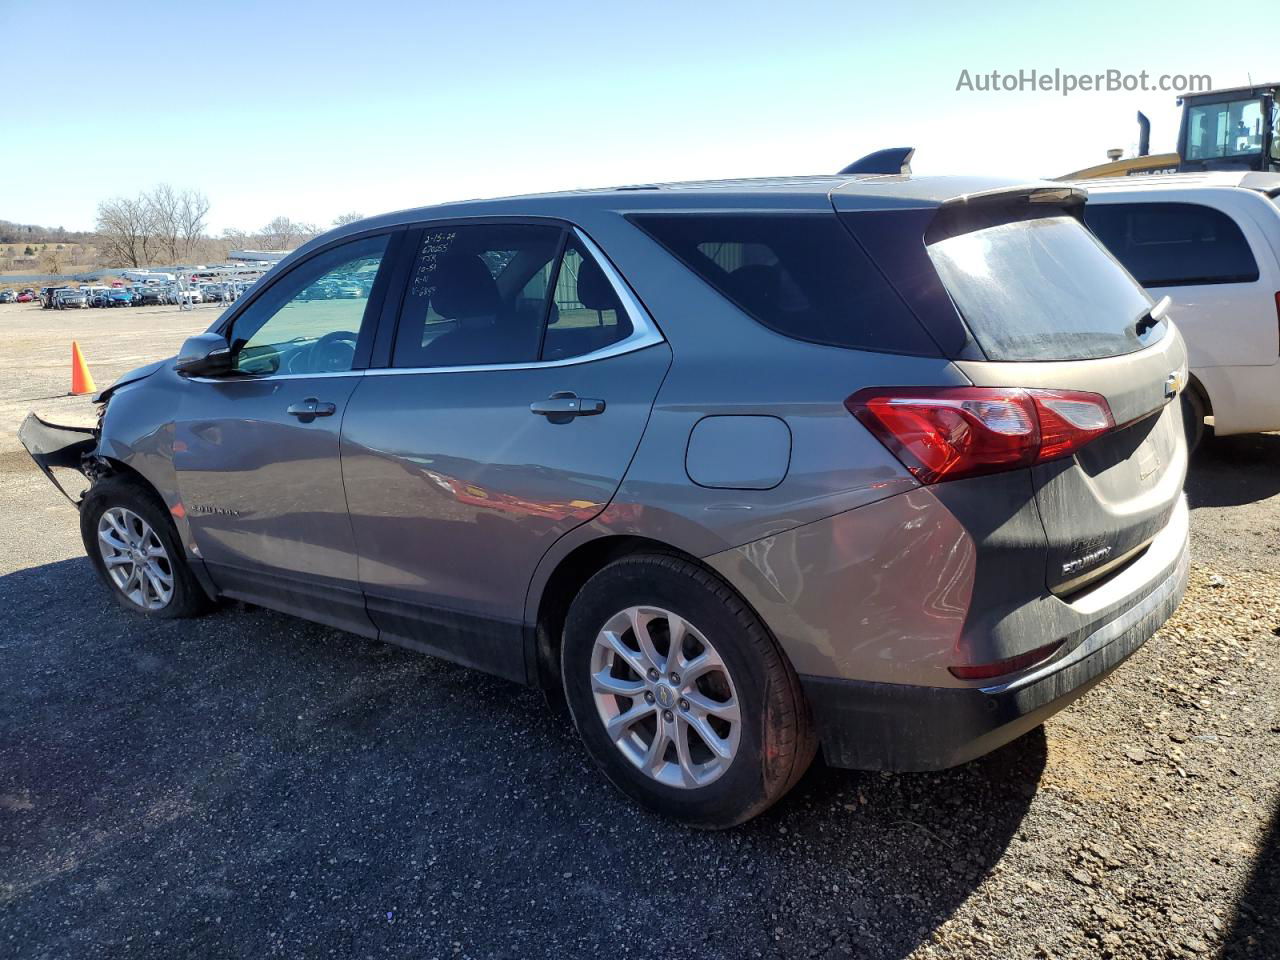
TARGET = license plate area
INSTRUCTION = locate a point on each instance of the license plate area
(1110, 500)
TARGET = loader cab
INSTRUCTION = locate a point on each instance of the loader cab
(1237, 129)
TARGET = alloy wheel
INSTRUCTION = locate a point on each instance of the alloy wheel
(136, 559)
(665, 697)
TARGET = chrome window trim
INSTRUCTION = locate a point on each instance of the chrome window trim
(259, 378)
(644, 332)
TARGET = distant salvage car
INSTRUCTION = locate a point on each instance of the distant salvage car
(68, 299)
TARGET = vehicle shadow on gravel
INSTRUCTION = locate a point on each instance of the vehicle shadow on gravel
(252, 784)
(1229, 471)
(1255, 929)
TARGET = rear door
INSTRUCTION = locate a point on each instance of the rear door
(520, 382)
(1050, 308)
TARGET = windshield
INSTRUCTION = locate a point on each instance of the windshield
(1043, 289)
(1229, 129)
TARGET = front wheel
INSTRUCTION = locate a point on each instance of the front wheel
(681, 695)
(135, 550)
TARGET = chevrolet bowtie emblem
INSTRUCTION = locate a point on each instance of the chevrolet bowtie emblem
(1172, 384)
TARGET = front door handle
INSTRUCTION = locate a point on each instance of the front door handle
(310, 408)
(564, 406)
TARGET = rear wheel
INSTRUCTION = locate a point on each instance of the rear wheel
(135, 549)
(1193, 414)
(680, 694)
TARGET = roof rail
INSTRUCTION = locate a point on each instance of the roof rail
(894, 161)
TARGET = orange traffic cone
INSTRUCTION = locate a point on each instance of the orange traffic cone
(81, 378)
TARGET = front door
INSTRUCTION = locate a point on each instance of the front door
(521, 381)
(257, 452)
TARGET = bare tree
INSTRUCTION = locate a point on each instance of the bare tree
(52, 261)
(285, 234)
(192, 210)
(126, 231)
(280, 234)
(165, 205)
(179, 220)
(159, 224)
(238, 239)
(343, 219)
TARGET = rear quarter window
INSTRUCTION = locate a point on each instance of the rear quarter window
(801, 275)
(1174, 244)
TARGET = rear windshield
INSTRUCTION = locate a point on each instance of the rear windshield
(1043, 289)
(1174, 244)
(801, 275)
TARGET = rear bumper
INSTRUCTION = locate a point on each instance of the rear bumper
(886, 726)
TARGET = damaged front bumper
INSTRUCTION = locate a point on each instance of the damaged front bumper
(55, 447)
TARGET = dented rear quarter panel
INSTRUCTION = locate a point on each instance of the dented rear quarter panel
(878, 593)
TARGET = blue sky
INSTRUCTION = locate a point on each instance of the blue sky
(313, 109)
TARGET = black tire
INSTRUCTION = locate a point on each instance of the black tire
(776, 741)
(1193, 414)
(188, 598)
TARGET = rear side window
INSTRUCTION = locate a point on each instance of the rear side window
(801, 275)
(586, 314)
(505, 293)
(1174, 244)
(1043, 289)
(474, 296)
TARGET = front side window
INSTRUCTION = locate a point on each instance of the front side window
(310, 319)
(1174, 244)
(488, 294)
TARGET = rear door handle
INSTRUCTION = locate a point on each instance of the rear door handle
(564, 406)
(310, 408)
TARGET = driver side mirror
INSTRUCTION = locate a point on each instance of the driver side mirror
(204, 355)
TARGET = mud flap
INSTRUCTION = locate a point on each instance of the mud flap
(52, 446)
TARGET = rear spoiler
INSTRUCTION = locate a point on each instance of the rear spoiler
(974, 211)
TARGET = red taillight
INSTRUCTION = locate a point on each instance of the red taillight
(944, 433)
(1068, 420)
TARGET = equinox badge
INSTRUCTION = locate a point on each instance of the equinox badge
(1088, 560)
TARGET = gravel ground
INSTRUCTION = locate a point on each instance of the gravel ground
(250, 785)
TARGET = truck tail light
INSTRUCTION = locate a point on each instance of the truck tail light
(945, 433)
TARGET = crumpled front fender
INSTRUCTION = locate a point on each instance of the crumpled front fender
(54, 446)
(133, 376)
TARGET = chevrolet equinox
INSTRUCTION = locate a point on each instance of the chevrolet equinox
(885, 465)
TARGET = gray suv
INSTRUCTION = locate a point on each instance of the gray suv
(886, 465)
